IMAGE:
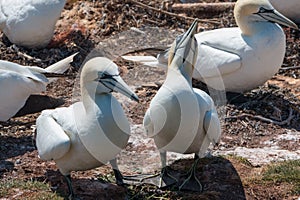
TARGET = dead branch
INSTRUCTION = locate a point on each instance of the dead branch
(203, 7)
(290, 68)
(171, 14)
(261, 118)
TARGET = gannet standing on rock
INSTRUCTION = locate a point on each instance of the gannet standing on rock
(244, 57)
(18, 82)
(181, 118)
(89, 133)
(30, 23)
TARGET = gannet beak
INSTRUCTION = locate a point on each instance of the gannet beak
(116, 83)
(276, 17)
(184, 44)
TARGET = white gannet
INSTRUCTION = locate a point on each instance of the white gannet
(181, 118)
(18, 82)
(244, 57)
(30, 23)
(289, 8)
(89, 133)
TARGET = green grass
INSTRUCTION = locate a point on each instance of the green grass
(284, 172)
(27, 190)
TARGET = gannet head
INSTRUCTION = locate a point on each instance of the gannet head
(183, 52)
(248, 12)
(100, 75)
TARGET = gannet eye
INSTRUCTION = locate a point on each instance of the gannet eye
(107, 76)
(264, 10)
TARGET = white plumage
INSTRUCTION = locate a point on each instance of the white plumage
(30, 23)
(89, 133)
(18, 82)
(180, 118)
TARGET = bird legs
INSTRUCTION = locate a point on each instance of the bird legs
(118, 175)
(69, 183)
(165, 175)
(192, 182)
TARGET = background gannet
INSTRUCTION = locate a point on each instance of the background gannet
(18, 82)
(180, 118)
(89, 133)
(290, 8)
(244, 57)
(30, 23)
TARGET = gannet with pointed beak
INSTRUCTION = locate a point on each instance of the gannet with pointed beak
(181, 118)
(89, 133)
(18, 82)
(244, 57)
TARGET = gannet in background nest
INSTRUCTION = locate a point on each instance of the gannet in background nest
(89, 133)
(290, 8)
(30, 23)
(181, 118)
(243, 57)
(18, 82)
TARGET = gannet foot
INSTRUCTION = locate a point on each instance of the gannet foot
(192, 183)
(166, 179)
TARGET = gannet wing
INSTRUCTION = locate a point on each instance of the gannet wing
(148, 124)
(51, 140)
(7, 68)
(213, 61)
(212, 126)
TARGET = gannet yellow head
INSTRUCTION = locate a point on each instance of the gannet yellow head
(100, 75)
(249, 12)
(183, 52)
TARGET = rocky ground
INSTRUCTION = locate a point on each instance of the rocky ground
(259, 128)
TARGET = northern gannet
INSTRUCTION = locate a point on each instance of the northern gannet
(244, 57)
(290, 8)
(89, 133)
(18, 82)
(181, 118)
(30, 23)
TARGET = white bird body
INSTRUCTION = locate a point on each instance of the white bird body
(30, 23)
(78, 138)
(289, 8)
(91, 132)
(238, 61)
(18, 82)
(179, 117)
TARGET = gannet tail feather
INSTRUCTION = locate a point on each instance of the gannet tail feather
(150, 61)
(61, 66)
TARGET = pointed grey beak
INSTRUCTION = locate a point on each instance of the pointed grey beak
(276, 17)
(117, 84)
(185, 38)
(183, 44)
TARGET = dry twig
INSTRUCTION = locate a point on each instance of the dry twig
(261, 118)
(290, 68)
(203, 7)
(171, 14)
